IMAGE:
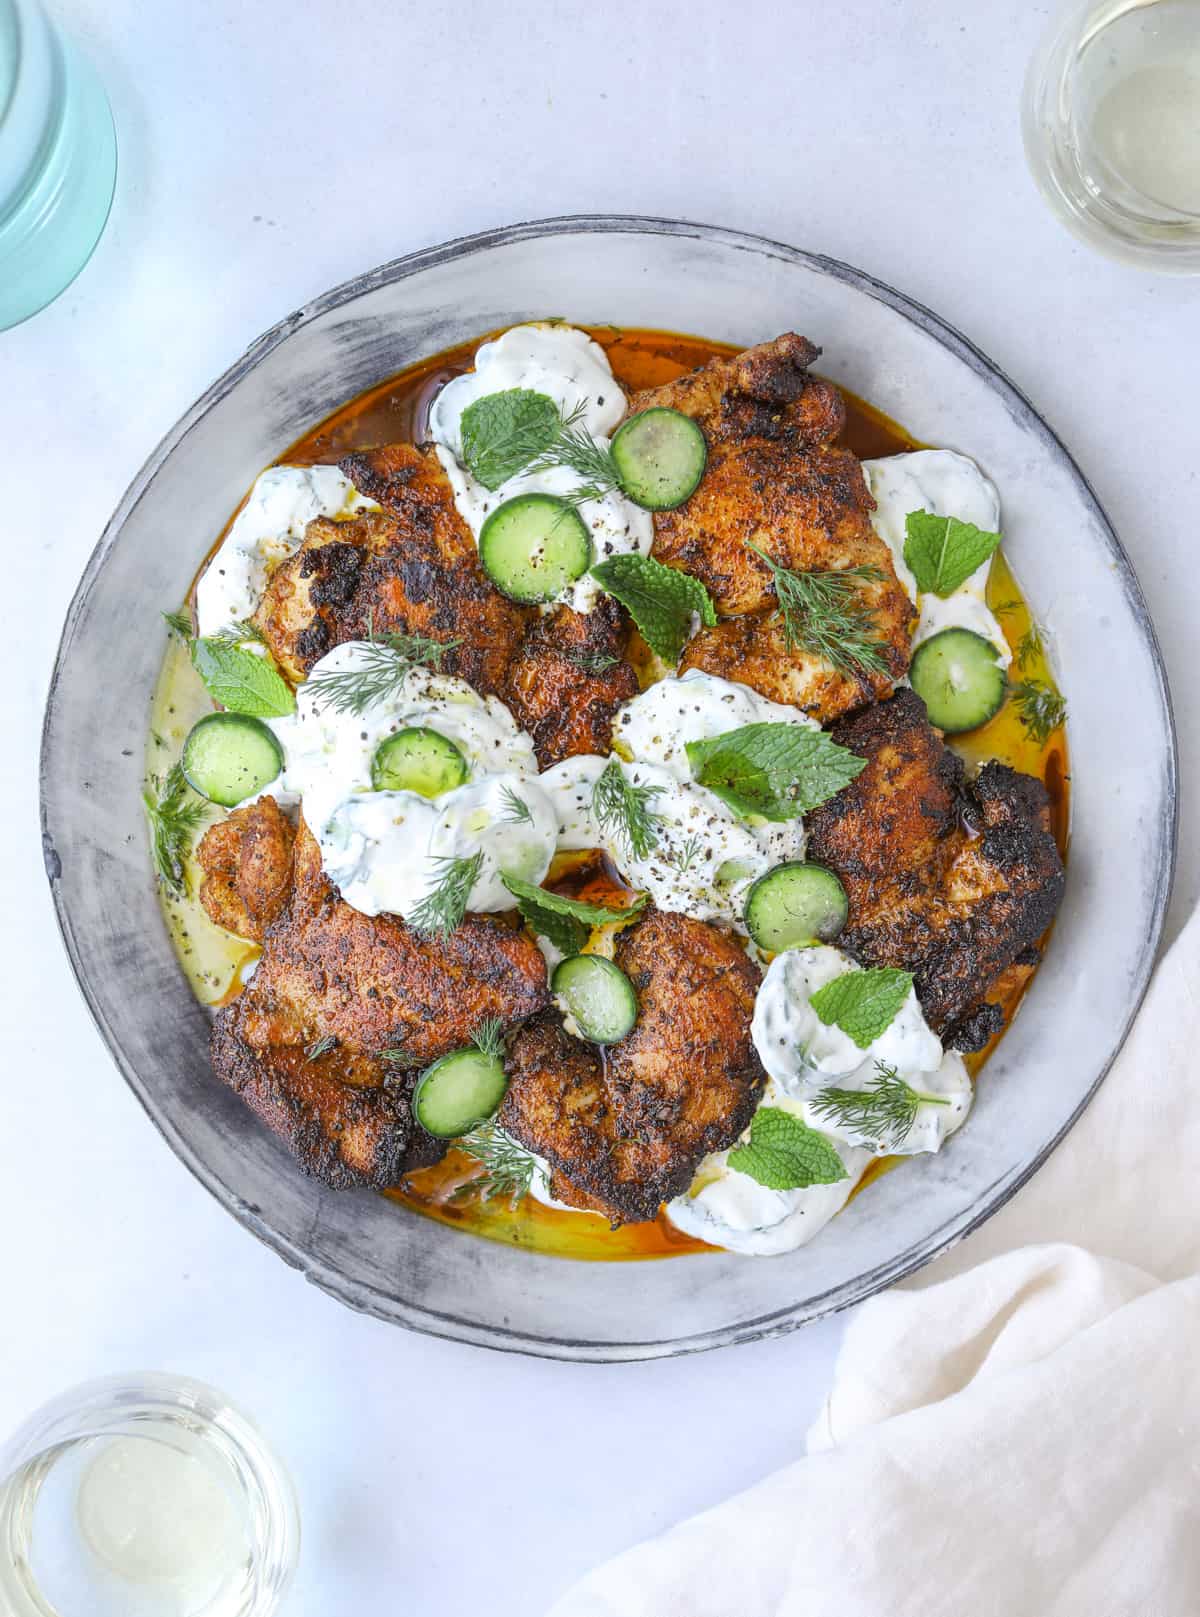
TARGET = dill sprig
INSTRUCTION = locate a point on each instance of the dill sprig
(883, 1113)
(443, 907)
(173, 817)
(179, 623)
(823, 612)
(1029, 647)
(508, 1168)
(575, 448)
(380, 672)
(592, 662)
(237, 634)
(689, 852)
(516, 810)
(623, 810)
(1041, 707)
(488, 1040)
(320, 1047)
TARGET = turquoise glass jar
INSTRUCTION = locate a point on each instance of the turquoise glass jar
(58, 161)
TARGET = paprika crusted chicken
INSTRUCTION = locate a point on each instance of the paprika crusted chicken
(949, 879)
(776, 481)
(623, 1131)
(303, 1044)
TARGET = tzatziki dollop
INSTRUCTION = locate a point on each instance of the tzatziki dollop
(705, 857)
(266, 531)
(946, 484)
(568, 367)
(385, 851)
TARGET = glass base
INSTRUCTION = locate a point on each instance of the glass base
(48, 236)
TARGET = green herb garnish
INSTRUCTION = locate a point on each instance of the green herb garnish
(173, 817)
(240, 680)
(883, 1113)
(516, 809)
(661, 600)
(508, 1167)
(566, 922)
(443, 907)
(381, 671)
(1029, 647)
(488, 1038)
(779, 771)
(592, 662)
(179, 623)
(237, 634)
(503, 432)
(623, 811)
(320, 1047)
(943, 552)
(785, 1154)
(863, 1004)
(689, 853)
(823, 612)
(1041, 707)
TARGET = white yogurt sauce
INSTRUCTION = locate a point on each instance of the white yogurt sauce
(801, 1052)
(704, 858)
(568, 367)
(385, 851)
(733, 1211)
(802, 1056)
(948, 485)
(266, 531)
(657, 725)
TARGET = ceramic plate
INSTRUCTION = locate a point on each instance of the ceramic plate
(740, 289)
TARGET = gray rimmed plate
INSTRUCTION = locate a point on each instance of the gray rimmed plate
(637, 272)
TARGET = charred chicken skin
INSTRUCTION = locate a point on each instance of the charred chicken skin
(568, 679)
(247, 865)
(303, 1044)
(624, 1132)
(776, 481)
(952, 880)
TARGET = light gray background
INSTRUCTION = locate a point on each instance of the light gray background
(267, 152)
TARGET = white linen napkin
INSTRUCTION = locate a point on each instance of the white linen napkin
(1017, 1430)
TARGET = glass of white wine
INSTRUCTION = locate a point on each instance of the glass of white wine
(143, 1496)
(1111, 122)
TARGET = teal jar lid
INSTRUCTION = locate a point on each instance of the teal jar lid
(58, 161)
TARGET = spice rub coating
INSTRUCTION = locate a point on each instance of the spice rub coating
(953, 880)
(624, 1131)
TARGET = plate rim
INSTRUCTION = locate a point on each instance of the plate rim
(363, 1296)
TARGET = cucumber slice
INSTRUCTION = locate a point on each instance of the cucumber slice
(795, 904)
(418, 760)
(230, 756)
(957, 674)
(458, 1091)
(660, 456)
(598, 995)
(533, 546)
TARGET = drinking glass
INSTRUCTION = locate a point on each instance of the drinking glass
(1111, 121)
(58, 161)
(143, 1496)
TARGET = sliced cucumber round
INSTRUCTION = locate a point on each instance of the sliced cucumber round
(795, 904)
(230, 756)
(418, 760)
(598, 995)
(533, 546)
(660, 455)
(458, 1091)
(957, 674)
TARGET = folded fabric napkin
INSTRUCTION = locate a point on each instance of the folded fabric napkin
(1015, 1432)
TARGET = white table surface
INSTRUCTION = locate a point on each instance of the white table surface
(268, 151)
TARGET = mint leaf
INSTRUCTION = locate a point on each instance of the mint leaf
(502, 432)
(943, 552)
(661, 600)
(777, 770)
(863, 1004)
(785, 1154)
(565, 921)
(241, 681)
